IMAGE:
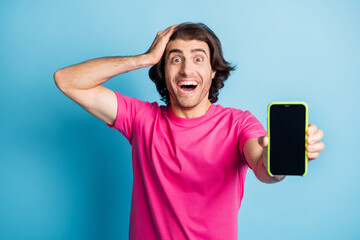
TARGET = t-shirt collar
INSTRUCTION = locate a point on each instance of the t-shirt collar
(189, 121)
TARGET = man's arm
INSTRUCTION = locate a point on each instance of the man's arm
(255, 151)
(82, 82)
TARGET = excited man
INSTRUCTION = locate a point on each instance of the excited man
(190, 156)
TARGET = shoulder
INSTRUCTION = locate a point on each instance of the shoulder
(244, 121)
(234, 114)
(133, 109)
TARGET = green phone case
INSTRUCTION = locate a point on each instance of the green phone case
(306, 127)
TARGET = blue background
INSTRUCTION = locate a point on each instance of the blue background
(66, 175)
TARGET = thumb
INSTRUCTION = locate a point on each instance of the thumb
(263, 141)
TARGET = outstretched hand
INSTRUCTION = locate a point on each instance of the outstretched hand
(158, 47)
(314, 146)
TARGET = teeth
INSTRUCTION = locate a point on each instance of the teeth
(188, 83)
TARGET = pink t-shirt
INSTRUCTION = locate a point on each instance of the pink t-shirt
(188, 174)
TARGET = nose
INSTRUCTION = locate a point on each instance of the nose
(187, 67)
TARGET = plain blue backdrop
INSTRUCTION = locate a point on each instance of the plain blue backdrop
(66, 175)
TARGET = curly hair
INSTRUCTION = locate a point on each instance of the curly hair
(201, 32)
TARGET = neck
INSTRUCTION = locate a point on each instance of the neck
(191, 112)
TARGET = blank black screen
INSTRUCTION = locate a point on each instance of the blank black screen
(287, 139)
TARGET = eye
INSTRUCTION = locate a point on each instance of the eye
(198, 59)
(176, 60)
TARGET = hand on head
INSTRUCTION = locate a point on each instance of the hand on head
(158, 47)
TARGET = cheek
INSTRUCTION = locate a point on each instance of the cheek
(169, 73)
(168, 82)
(208, 75)
(167, 76)
(166, 71)
(168, 85)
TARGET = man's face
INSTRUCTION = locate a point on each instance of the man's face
(188, 73)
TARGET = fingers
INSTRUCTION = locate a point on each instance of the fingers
(312, 156)
(315, 147)
(263, 141)
(157, 48)
(315, 137)
(168, 30)
(314, 134)
(311, 129)
(165, 34)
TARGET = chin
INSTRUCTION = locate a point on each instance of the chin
(186, 105)
(189, 102)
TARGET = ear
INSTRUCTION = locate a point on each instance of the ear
(213, 74)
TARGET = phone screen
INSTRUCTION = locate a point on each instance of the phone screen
(287, 128)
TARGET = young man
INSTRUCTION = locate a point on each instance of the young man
(190, 157)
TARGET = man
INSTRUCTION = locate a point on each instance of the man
(190, 157)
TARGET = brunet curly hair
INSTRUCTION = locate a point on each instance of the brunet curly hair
(201, 32)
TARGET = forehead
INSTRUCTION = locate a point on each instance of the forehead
(187, 46)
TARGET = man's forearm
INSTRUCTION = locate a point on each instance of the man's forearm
(94, 72)
(256, 156)
(263, 175)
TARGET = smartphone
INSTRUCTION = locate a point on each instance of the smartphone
(287, 127)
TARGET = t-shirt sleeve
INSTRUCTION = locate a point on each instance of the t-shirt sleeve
(127, 108)
(249, 128)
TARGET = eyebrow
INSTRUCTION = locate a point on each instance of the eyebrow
(175, 50)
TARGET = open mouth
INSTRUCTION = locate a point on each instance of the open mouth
(187, 86)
